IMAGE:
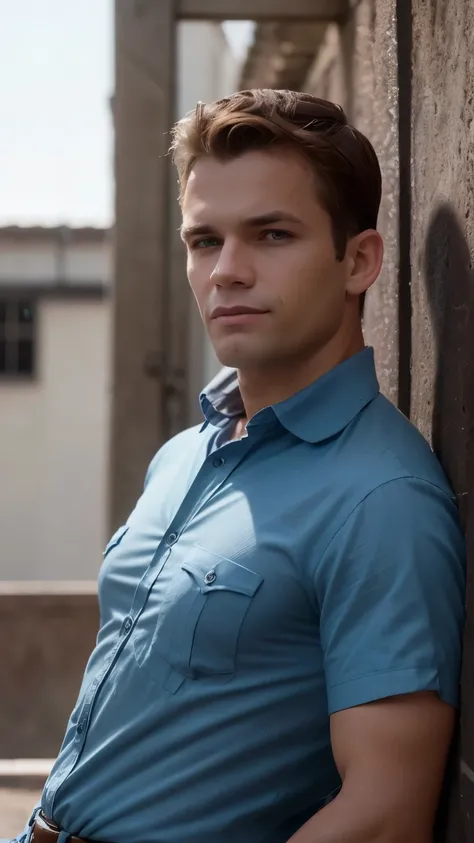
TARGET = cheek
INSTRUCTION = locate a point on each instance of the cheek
(198, 280)
(295, 280)
(313, 288)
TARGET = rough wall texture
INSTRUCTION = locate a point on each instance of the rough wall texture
(45, 641)
(443, 192)
(404, 70)
(443, 293)
(328, 76)
(375, 101)
(357, 67)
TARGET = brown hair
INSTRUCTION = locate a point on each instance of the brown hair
(346, 166)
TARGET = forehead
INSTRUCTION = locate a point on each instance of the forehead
(249, 185)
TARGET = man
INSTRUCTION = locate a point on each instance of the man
(281, 616)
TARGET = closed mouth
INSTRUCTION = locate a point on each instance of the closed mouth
(222, 312)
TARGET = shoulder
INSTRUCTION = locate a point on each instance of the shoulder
(393, 496)
(403, 536)
(379, 467)
(184, 444)
(383, 446)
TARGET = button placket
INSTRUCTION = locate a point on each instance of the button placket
(193, 503)
(127, 624)
(85, 710)
(205, 485)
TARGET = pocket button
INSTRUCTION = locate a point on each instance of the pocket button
(210, 577)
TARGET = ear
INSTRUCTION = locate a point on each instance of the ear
(365, 254)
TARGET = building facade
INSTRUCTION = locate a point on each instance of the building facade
(55, 322)
(56, 381)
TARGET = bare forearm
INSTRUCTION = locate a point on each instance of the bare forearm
(345, 821)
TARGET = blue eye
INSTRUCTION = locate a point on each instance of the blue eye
(276, 235)
(205, 243)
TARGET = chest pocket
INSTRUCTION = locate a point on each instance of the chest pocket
(202, 613)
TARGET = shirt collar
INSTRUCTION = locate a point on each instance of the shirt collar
(319, 411)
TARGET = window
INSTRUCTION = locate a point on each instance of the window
(17, 337)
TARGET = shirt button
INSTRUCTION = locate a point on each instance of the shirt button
(80, 728)
(210, 577)
(218, 462)
(171, 539)
(127, 624)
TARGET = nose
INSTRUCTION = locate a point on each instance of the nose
(233, 267)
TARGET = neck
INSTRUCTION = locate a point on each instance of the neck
(263, 387)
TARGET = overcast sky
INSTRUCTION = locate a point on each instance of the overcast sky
(56, 78)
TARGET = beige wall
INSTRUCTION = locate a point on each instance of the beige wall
(48, 260)
(207, 68)
(53, 448)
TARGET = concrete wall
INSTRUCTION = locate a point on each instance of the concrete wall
(357, 67)
(443, 225)
(40, 676)
(159, 361)
(405, 73)
(442, 331)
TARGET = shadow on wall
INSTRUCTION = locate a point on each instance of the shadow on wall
(449, 277)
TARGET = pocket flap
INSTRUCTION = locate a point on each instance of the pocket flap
(215, 573)
(116, 539)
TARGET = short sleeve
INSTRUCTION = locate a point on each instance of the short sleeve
(390, 586)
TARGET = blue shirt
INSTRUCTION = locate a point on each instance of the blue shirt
(258, 586)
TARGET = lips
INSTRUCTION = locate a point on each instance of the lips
(237, 310)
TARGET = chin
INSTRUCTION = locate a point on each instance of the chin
(238, 355)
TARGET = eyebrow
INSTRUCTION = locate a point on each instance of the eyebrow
(252, 222)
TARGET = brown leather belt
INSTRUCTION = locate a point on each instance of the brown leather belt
(45, 831)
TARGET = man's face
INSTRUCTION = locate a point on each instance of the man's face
(261, 259)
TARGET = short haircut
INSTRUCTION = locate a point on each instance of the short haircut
(348, 177)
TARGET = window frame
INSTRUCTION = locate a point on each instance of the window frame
(13, 332)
